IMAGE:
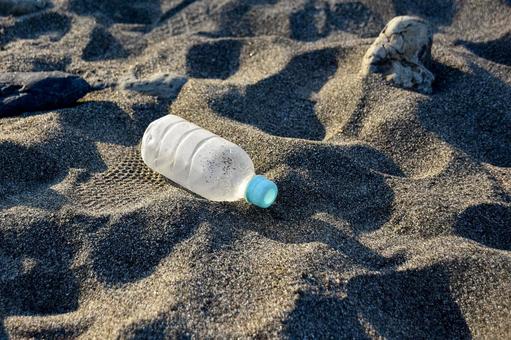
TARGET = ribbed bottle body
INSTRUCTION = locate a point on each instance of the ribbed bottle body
(197, 159)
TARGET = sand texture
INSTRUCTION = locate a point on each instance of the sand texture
(394, 214)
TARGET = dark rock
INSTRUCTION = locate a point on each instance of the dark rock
(35, 91)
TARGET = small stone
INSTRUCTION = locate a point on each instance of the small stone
(400, 53)
(36, 91)
(21, 7)
(161, 85)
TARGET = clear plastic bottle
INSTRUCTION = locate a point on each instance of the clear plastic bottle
(204, 163)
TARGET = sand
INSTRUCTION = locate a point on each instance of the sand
(394, 214)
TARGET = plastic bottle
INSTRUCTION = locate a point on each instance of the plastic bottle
(204, 163)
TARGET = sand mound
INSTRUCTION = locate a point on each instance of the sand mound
(394, 212)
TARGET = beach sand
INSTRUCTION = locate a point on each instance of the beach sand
(394, 213)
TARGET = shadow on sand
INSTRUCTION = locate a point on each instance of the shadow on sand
(405, 304)
(478, 121)
(281, 104)
(498, 50)
(35, 276)
(488, 224)
(318, 19)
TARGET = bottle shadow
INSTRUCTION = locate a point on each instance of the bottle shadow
(281, 104)
(406, 304)
(475, 119)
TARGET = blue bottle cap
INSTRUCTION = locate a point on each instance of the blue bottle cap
(261, 191)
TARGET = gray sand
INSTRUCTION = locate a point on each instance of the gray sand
(394, 215)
